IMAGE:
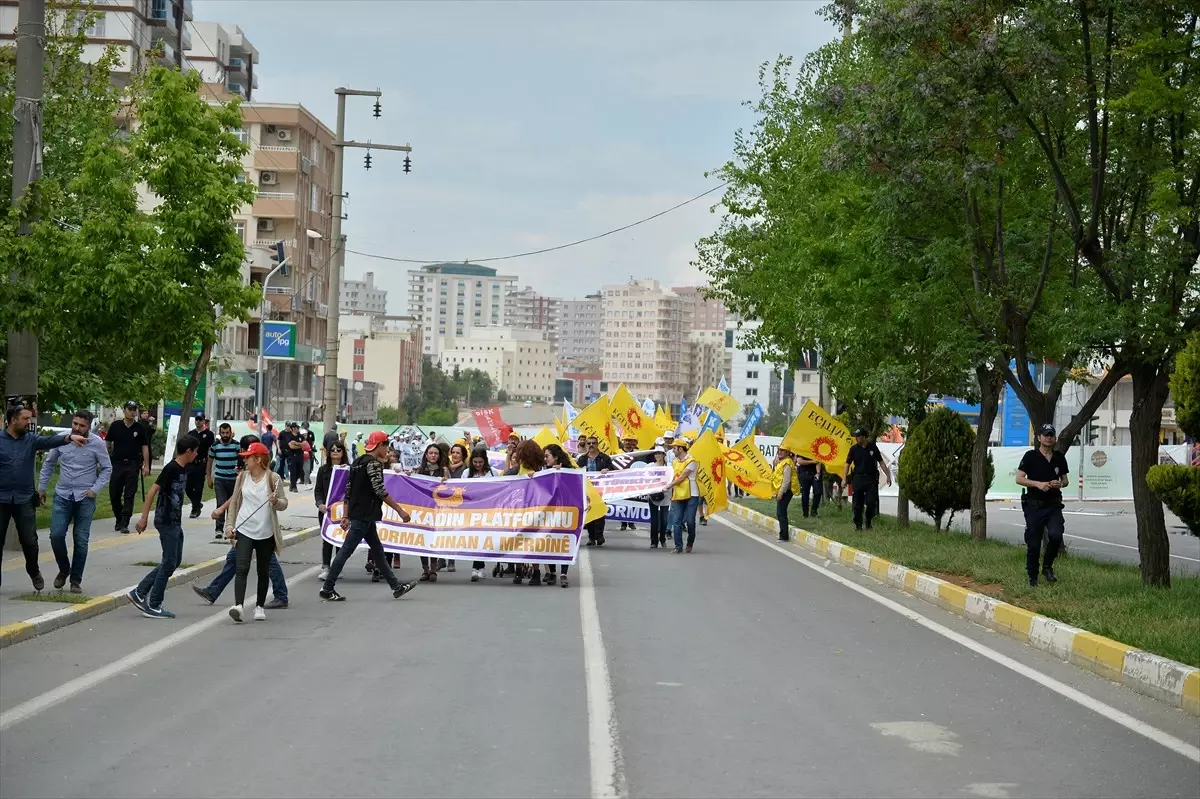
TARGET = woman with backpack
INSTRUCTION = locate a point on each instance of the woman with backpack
(253, 524)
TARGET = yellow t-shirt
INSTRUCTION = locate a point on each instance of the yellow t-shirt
(683, 491)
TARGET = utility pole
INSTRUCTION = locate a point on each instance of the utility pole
(260, 390)
(338, 261)
(21, 373)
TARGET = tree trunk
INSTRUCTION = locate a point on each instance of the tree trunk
(189, 392)
(1150, 387)
(937, 521)
(901, 506)
(989, 379)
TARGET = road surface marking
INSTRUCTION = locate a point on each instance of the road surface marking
(608, 779)
(1079, 697)
(922, 736)
(42, 703)
(1122, 546)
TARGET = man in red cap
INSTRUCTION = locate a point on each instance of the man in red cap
(365, 497)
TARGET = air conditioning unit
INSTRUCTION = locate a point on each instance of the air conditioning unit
(284, 135)
(266, 226)
(268, 178)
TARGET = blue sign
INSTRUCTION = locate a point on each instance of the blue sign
(279, 340)
(1015, 424)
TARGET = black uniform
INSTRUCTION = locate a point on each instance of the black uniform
(865, 481)
(126, 442)
(595, 529)
(1043, 509)
(310, 437)
(810, 487)
(284, 460)
(198, 469)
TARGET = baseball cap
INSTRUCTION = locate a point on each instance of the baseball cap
(669, 434)
(860, 431)
(375, 439)
(683, 441)
(254, 449)
(658, 442)
(1047, 430)
(131, 405)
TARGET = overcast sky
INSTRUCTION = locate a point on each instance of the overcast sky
(532, 123)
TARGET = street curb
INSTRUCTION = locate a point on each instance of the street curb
(63, 617)
(1154, 676)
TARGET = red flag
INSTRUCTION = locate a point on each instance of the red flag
(491, 426)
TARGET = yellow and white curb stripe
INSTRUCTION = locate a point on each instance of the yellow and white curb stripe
(56, 619)
(1157, 677)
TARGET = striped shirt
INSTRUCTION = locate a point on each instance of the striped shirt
(224, 458)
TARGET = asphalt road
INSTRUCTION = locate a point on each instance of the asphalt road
(1101, 530)
(743, 669)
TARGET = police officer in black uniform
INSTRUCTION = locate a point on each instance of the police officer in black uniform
(864, 461)
(129, 446)
(198, 469)
(1043, 473)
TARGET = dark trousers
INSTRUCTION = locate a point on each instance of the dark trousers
(196, 474)
(23, 515)
(121, 488)
(866, 496)
(281, 463)
(810, 485)
(595, 531)
(295, 467)
(263, 552)
(361, 531)
(781, 513)
(658, 524)
(154, 585)
(229, 572)
(223, 490)
(1042, 519)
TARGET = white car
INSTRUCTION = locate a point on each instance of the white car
(528, 403)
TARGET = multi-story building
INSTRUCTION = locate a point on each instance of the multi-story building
(706, 314)
(143, 31)
(520, 362)
(450, 299)
(753, 378)
(358, 401)
(530, 310)
(363, 296)
(645, 346)
(579, 329)
(225, 59)
(382, 350)
(707, 361)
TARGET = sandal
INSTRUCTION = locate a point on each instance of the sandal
(433, 577)
(424, 578)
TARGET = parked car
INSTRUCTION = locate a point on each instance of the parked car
(528, 403)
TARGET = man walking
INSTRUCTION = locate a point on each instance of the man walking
(222, 471)
(17, 495)
(198, 469)
(365, 497)
(593, 460)
(294, 450)
(168, 490)
(128, 443)
(863, 461)
(82, 472)
(269, 439)
(1043, 473)
(307, 436)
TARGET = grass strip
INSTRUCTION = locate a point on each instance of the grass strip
(54, 596)
(1098, 596)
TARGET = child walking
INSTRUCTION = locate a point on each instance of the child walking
(167, 497)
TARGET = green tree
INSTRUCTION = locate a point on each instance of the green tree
(1178, 486)
(502, 396)
(774, 421)
(935, 465)
(1185, 388)
(388, 416)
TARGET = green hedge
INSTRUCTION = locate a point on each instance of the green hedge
(1179, 489)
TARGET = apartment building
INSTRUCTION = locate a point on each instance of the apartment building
(644, 341)
(143, 31)
(363, 296)
(385, 351)
(707, 359)
(706, 314)
(579, 330)
(529, 310)
(753, 378)
(520, 362)
(450, 299)
(225, 59)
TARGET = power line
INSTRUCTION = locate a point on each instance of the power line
(544, 249)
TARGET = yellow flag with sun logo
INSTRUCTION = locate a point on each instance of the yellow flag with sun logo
(710, 471)
(632, 419)
(818, 436)
(596, 420)
(746, 466)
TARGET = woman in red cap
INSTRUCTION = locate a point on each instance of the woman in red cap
(254, 531)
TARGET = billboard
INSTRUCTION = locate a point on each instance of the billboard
(279, 340)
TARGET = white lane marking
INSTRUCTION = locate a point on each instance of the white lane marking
(991, 790)
(604, 745)
(42, 703)
(1079, 697)
(1122, 546)
(670, 684)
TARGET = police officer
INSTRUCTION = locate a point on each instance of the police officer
(198, 468)
(128, 443)
(864, 461)
(1043, 473)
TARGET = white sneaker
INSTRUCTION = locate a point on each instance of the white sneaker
(259, 613)
(476, 574)
(324, 573)
(235, 613)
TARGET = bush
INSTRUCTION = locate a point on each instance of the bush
(501, 396)
(1185, 388)
(1179, 489)
(935, 465)
(158, 443)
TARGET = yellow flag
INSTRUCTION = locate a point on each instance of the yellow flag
(746, 466)
(719, 403)
(633, 420)
(596, 420)
(545, 438)
(560, 427)
(596, 509)
(663, 419)
(710, 471)
(818, 436)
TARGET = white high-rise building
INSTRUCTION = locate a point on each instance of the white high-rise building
(362, 296)
(529, 310)
(579, 330)
(519, 361)
(224, 57)
(645, 346)
(450, 299)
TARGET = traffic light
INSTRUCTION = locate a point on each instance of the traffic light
(279, 257)
(407, 165)
(367, 160)
(378, 110)
(1092, 431)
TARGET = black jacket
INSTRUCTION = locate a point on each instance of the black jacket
(602, 462)
(321, 489)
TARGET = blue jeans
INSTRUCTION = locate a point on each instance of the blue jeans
(229, 571)
(77, 513)
(683, 514)
(154, 585)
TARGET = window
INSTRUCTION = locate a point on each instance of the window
(753, 357)
(240, 226)
(805, 378)
(243, 135)
(752, 375)
(752, 392)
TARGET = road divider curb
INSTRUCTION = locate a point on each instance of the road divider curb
(56, 619)
(1154, 676)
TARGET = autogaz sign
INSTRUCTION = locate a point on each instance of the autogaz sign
(279, 340)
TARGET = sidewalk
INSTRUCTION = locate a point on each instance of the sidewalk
(113, 558)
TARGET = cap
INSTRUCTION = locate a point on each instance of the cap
(200, 417)
(669, 434)
(375, 439)
(1047, 430)
(131, 405)
(682, 441)
(255, 449)
(514, 434)
(658, 442)
(860, 431)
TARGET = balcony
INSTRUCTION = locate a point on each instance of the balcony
(277, 158)
(185, 39)
(187, 10)
(162, 15)
(274, 204)
(237, 88)
(236, 65)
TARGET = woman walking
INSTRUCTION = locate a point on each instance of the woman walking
(527, 459)
(783, 475)
(685, 496)
(557, 458)
(480, 467)
(433, 464)
(660, 504)
(254, 526)
(335, 456)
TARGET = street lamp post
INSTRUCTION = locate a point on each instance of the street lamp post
(260, 389)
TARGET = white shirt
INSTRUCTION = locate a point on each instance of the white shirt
(254, 517)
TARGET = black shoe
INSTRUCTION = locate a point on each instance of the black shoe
(332, 596)
(1049, 575)
(536, 579)
(1033, 582)
(203, 594)
(61, 579)
(375, 576)
(623, 525)
(39, 582)
(784, 539)
(277, 604)
(194, 514)
(403, 589)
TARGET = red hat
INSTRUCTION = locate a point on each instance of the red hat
(375, 439)
(256, 448)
